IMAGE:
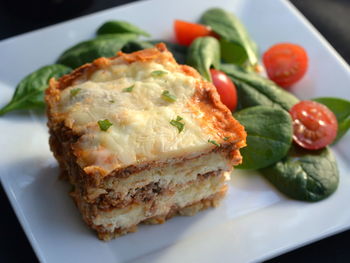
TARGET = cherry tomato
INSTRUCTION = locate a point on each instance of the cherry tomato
(285, 63)
(225, 88)
(186, 32)
(314, 125)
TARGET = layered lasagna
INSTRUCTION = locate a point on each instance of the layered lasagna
(141, 139)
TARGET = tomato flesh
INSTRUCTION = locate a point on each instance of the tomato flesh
(225, 88)
(314, 125)
(186, 32)
(285, 63)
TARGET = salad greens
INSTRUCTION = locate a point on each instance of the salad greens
(253, 89)
(29, 93)
(262, 106)
(285, 174)
(118, 27)
(236, 45)
(203, 54)
(179, 51)
(305, 175)
(87, 51)
(269, 137)
(136, 45)
(341, 110)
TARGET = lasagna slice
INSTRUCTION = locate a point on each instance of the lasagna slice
(141, 139)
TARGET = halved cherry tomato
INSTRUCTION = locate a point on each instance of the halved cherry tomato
(314, 125)
(285, 63)
(225, 88)
(186, 32)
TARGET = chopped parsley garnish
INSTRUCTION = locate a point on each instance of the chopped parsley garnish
(74, 92)
(226, 138)
(214, 142)
(178, 124)
(129, 89)
(104, 124)
(111, 101)
(168, 97)
(158, 73)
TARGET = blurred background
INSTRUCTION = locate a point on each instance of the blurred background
(330, 17)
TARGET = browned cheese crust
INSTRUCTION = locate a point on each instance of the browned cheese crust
(63, 139)
(205, 100)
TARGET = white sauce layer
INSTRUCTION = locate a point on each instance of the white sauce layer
(134, 214)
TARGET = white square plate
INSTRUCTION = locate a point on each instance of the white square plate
(253, 223)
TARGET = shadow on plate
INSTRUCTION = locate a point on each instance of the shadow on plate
(54, 222)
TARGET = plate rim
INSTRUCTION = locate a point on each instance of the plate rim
(268, 255)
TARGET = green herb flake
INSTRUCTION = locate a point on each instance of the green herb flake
(226, 138)
(129, 89)
(74, 92)
(178, 124)
(111, 101)
(168, 97)
(158, 73)
(104, 124)
(214, 142)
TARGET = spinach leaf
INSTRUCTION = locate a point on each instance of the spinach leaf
(136, 45)
(341, 109)
(269, 136)
(203, 53)
(232, 53)
(253, 89)
(87, 51)
(305, 175)
(236, 45)
(179, 51)
(117, 27)
(29, 92)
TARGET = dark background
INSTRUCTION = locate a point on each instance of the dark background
(330, 17)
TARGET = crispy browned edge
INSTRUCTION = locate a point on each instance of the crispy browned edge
(206, 98)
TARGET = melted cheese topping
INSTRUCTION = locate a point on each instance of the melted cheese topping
(141, 129)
